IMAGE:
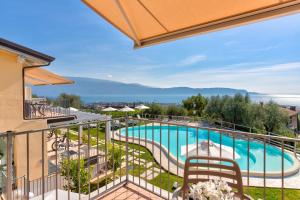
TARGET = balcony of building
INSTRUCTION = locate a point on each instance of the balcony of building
(108, 159)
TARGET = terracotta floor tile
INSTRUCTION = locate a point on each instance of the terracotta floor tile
(130, 192)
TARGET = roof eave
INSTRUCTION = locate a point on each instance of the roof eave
(26, 51)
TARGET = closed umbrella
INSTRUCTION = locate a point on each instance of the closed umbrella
(109, 109)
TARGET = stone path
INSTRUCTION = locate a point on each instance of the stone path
(151, 173)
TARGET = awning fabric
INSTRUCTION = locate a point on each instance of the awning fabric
(39, 76)
(149, 22)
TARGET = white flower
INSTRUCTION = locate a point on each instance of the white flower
(222, 185)
(228, 189)
(213, 196)
(203, 198)
(212, 190)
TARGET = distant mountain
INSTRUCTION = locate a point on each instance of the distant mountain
(90, 86)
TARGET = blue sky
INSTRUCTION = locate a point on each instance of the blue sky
(261, 57)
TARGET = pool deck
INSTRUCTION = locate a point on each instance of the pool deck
(169, 163)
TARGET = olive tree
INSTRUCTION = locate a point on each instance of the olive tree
(176, 110)
(155, 109)
(195, 104)
(276, 119)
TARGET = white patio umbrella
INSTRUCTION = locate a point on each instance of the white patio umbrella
(209, 150)
(109, 109)
(126, 109)
(142, 107)
(73, 109)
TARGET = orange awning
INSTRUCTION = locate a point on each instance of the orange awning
(149, 22)
(39, 76)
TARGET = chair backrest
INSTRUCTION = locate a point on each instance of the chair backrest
(202, 168)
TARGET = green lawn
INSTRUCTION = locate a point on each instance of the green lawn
(93, 133)
(165, 183)
(273, 193)
(137, 170)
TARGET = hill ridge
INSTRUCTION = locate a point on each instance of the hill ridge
(92, 86)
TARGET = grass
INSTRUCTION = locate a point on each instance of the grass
(163, 181)
(137, 170)
(147, 156)
(273, 193)
(73, 137)
(93, 133)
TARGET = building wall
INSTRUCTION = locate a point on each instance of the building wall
(294, 121)
(11, 116)
(11, 100)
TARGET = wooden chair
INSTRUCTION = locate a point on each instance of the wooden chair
(202, 169)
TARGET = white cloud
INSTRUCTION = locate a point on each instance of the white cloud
(275, 68)
(277, 78)
(191, 60)
(109, 76)
(259, 49)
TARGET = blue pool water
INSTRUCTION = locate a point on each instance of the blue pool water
(189, 136)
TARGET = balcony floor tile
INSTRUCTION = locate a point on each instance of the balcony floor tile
(130, 192)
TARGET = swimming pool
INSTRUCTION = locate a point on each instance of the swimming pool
(188, 136)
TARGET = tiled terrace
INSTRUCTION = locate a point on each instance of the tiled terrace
(130, 191)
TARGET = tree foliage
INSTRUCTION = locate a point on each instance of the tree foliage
(114, 157)
(155, 109)
(235, 109)
(195, 104)
(275, 118)
(240, 110)
(71, 170)
(176, 110)
(68, 100)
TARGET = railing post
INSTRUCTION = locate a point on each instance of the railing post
(80, 131)
(126, 123)
(9, 168)
(108, 131)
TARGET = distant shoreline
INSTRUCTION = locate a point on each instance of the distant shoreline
(287, 100)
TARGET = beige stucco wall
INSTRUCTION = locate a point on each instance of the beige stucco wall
(11, 116)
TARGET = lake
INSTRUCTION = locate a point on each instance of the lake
(280, 99)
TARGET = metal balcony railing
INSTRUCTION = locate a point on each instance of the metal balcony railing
(92, 162)
(204, 122)
(38, 108)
